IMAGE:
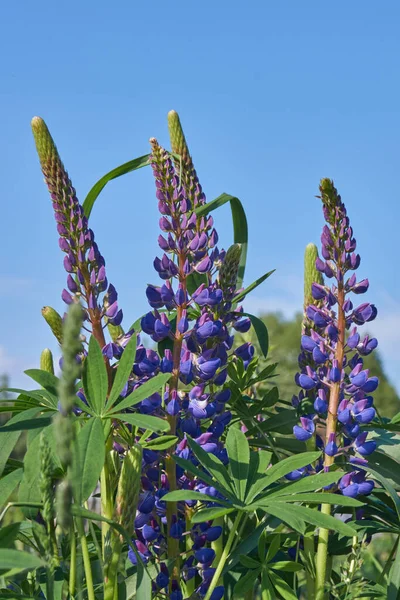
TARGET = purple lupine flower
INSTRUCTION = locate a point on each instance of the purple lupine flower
(83, 262)
(332, 375)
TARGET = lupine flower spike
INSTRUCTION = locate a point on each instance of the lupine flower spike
(333, 380)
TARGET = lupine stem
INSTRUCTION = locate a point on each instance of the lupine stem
(218, 545)
(72, 566)
(331, 423)
(224, 556)
(86, 559)
(106, 502)
(112, 570)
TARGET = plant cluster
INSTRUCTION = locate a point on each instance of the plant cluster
(162, 462)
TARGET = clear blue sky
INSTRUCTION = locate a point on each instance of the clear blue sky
(273, 96)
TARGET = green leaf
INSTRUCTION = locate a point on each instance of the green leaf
(188, 466)
(291, 463)
(161, 443)
(246, 582)
(124, 369)
(244, 547)
(9, 438)
(88, 460)
(209, 514)
(286, 515)
(240, 232)
(252, 286)
(47, 380)
(315, 517)
(215, 467)
(143, 584)
(286, 565)
(42, 397)
(249, 562)
(282, 587)
(261, 332)
(94, 377)
(16, 559)
(306, 484)
(239, 458)
(8, 485)
(282, 423)
(312, 498)
(38, 423)
(155, 384)
(132, 165)
(258, 464)
(143, 421)
(388, 486)
(393, 589)
(183, 495)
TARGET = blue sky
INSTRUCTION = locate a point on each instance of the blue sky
(272, 95)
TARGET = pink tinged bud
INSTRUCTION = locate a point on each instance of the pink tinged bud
(93, 277)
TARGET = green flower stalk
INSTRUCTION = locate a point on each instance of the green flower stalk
(125, 511)
(311, 274)
(54, 321)
(46, 361)
(228, 273)
(65, 432)
(47, 495)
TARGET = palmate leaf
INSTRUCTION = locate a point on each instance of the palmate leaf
(89, 455)
(281, 586)
(8, 485)
(154, 424)
(128, 167)
(258, 464)
(183, 495)
(246, 582)
(305, 484)
(124, 369)
(94, 377)
(214, 466)
(240, 229)
(209, 514)
(252, 286)
(239, 458)
(155, 384)
(47, 380)
(261, 332)
(314, 517)
(16, 559)
(279, 470)
(9, 438)
(188, 466)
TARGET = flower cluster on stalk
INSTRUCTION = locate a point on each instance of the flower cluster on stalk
(193, 313)
(194, 348)
(86, 279)
(335, 387)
